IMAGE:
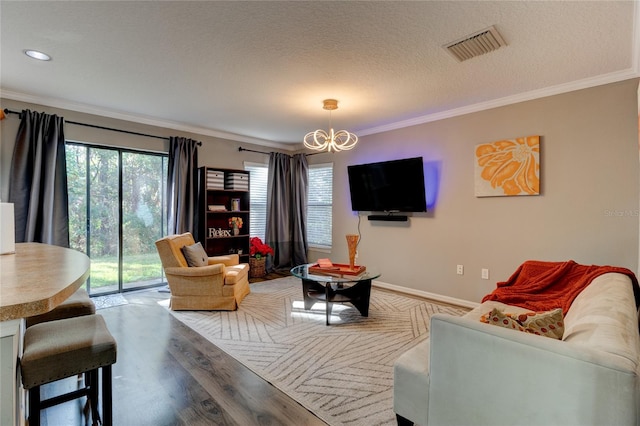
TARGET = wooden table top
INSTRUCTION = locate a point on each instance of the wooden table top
(38, 277)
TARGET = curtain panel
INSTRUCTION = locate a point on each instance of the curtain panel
(299, 196)
(182, 185)
(278, 231)
(286, 232)
(38, 180)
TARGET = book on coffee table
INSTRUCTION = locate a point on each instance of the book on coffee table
(335, 269)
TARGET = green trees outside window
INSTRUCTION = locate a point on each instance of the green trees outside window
(117, 210)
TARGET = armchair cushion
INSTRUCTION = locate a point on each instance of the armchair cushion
(226, 260)
(195, 255)
(202, 271)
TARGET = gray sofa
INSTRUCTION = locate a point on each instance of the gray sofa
(472, 373)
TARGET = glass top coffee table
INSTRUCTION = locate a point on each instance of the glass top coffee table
(335, 287)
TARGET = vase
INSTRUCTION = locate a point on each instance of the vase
(236, 230)
(352, 244)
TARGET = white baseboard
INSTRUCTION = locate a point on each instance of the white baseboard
(426, 294)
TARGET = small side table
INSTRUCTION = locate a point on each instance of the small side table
(336, 288)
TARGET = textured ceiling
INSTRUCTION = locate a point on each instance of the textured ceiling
(258, 71)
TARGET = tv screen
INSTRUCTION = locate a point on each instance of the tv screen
(389, 186)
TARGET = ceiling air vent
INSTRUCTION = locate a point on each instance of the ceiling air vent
(476, 44)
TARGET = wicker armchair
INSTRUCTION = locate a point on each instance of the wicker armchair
(221, 285)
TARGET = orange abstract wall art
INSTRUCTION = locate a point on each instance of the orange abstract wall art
(508, 167)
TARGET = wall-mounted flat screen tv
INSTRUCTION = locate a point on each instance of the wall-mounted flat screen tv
(388, 186)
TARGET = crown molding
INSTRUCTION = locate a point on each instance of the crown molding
(614, 77)
(139, 119)
(508, 100)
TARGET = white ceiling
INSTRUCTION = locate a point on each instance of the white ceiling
(258, 71)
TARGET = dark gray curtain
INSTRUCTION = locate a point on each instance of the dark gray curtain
(38, 180)
(300, 189)
(278, 229)
(182, 185)
(286, 232)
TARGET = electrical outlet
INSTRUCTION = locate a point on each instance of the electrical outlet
(485, 274)
(460, 270)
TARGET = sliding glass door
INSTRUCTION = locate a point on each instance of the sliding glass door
(116, 212)
(144, 217)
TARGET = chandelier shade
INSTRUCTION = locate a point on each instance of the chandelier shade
(319, 140)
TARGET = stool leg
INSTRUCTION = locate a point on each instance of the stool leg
(34, 406)
(106, 396)
(84, 381)
(93, 395)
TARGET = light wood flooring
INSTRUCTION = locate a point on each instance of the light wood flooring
(167, 374)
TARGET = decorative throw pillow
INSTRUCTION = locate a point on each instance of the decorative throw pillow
(496, 317)
(195, 255)
(548, 324)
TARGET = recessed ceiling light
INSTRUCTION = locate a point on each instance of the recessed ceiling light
(37, 55)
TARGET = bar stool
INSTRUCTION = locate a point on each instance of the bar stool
(63, 348)
(78, 304)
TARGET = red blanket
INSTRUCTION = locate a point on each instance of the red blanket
(542, 286)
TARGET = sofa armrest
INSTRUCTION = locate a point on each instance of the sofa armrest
(197, 271)
(227, 260)
(484, 374)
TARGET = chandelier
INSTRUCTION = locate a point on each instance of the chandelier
(320, 140)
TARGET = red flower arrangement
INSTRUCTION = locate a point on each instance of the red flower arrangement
(258, 249)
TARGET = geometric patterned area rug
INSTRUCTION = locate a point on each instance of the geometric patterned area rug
(343, 372)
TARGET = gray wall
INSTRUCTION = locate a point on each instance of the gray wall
(587, 210)
(589, 176)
